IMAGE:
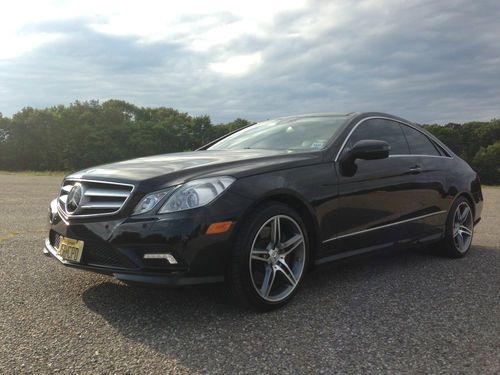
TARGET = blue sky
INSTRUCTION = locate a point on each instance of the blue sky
(428, 61)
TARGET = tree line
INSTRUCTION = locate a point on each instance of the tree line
(89, 133)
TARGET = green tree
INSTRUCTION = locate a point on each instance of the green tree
(90, 133)
(487, 163)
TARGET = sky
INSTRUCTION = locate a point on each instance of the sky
(427, 61)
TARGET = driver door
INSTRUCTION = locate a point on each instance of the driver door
(377, 196)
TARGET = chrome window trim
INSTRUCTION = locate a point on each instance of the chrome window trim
(400, 122)
(418, 155)
(384, 226)
(67, 216)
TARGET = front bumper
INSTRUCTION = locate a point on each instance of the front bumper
(129, 276)
(116, 246)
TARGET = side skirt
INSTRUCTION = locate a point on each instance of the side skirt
(350, 253)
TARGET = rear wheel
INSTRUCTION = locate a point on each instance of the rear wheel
(269, 258)
(459, 229)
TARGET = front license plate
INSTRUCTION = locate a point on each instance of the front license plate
(70, 249)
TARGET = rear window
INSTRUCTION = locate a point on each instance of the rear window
(419, 143)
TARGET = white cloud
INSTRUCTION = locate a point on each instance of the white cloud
(306, 56)
(13, 45)
(191, 22)
(238, 65)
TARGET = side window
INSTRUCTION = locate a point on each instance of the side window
(419, 143)
(384, 130)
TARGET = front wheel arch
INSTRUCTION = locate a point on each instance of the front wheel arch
(239, 277)
(302, 208)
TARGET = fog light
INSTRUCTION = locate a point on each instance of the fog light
(167, 256)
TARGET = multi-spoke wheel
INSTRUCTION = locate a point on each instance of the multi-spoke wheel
(269, 257)
(277, 258)
(460, 229)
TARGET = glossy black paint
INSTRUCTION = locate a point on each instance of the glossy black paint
(393, 201)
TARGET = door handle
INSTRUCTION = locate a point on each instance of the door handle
(416, 169)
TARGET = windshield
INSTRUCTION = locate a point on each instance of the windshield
(298, 133)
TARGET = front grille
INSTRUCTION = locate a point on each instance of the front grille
(54, 238)
(102, 257)
(85, 198)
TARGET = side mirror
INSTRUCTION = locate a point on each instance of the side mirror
(366, 149)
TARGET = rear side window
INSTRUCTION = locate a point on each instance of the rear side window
(383, 130)
(419, 143)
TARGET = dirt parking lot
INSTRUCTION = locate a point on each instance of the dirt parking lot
(396, 312)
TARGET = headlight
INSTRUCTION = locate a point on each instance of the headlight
(150, 201)
(196, 193)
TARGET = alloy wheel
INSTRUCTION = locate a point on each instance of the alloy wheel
(277, 258)
(462, 227)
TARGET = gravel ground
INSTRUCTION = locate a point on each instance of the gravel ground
(396, 312)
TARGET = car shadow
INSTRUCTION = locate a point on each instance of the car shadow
(339, 309)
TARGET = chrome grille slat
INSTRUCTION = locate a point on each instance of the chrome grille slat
(106, 193)
(102, 205)
(98, 198)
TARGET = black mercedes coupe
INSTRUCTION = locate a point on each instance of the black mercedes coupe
(259, 207)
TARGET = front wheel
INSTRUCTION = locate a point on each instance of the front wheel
(269, 257)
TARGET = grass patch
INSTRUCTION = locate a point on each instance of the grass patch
(35, 173)
(7, 236)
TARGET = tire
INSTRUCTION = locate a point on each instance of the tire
(266, 269)
(459, 229)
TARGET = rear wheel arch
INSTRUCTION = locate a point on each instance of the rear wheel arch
(449, 245)
(467, 195)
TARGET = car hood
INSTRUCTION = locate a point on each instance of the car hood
(171, 169)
